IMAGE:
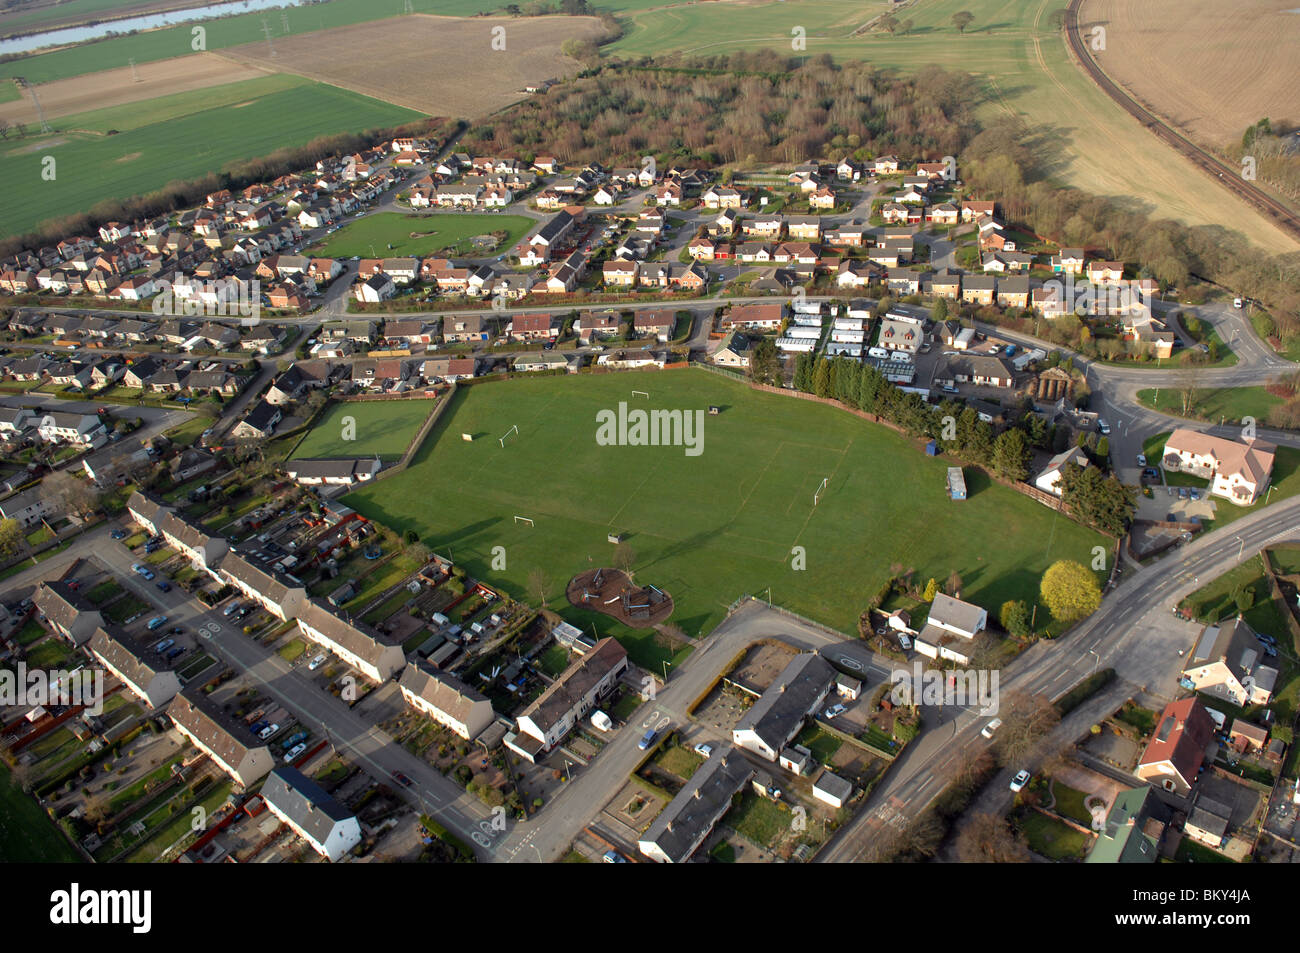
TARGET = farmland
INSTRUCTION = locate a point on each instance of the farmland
(151, 81)
(389, 59)
(1209, 69)
(1023, 66)
(189, 139)
(709, 528)
(389, 234)
(382, 427)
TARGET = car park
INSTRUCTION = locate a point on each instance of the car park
(991, 727)
(1020, 780)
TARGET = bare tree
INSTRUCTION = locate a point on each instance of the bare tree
(65, 492)
(988, 839)
(1187, 392)
(624, 557)
(1026, 721)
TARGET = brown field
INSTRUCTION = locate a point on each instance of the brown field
(116, 87)
(1208, 67)
(442, 66)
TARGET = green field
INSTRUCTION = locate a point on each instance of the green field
(221, 33)
(381, 427)
(709, 528)
(177, 137)
(388, 234)
(1229, 404)
(27, 835)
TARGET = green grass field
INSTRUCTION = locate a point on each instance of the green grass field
(1227, 403)
(27, 835)
(388, 234)
(176, 137)
(381, 427)
(709, 528)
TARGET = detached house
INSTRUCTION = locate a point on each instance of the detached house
(1239, 471)
(1174, 756)
(950, 628)
(1228, 661)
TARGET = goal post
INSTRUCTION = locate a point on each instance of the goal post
(524, 519)
(818, 493)
(642, 393)
(513, 430)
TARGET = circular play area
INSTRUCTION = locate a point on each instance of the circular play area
(612, 592)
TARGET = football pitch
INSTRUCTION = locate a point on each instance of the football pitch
(364, 429)
(711, 527)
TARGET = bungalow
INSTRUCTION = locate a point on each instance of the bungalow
(260, 422)
(332, 472)
(686, 822)
(733, 351)
(983, 370)
(539, 361)
(450, 369)
(1049, 479)
(780, 712)
(467, 328)
(765, 317)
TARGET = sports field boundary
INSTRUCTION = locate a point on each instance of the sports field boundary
(440, 405)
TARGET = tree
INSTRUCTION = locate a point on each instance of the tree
(64, 491)
(1011, 455)
(989, 839)
(962, 19)
(1070, 591)
(822, 378)
(764, 363)
(11, 538)
(889, 23)
(931, 590)
(1188, 394)
(1015, 617)
(1100, 501)
(1026, 720)
(624, 557)
(940, 310)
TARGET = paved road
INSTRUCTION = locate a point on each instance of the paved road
(1122, 635)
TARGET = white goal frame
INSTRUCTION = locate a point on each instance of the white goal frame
(524, 519)
(643, 393)
(818, 493)
(513, 430)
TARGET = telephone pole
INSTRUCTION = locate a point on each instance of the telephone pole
(266, 31)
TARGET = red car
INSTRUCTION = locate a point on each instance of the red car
(401, 779)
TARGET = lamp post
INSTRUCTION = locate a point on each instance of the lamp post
(1240, 549)
(1095, 664)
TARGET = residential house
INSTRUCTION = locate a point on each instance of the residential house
(222, 737)
(1229, 662)
(326, 825)
(332, 472)
(1049, 480)
(259, 423)
(1133, 831)
(688, 819)
(356, 645)
(66, 612)
(780, 712)
(950, 629)
(573, 694)
(140, 670)
(1239, 471)
(1173, 757)
(447, 700)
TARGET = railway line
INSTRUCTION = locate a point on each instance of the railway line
(1228, 175)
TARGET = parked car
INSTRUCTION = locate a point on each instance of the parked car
(647, 739)
(295, 751)
(614, 857)
(905, 642)
(316, 663)
(1182, 492)
(834, 711)
(293, 739)
(229, 610)
(118, 534)
(1019, 781)
(1142, 459)
(1103, 426)
(177, 652)
(703, 750)
(268, 731)
(991, 727)
(164, 585)
(164, 645)
(1266, 638)
(157, 622)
